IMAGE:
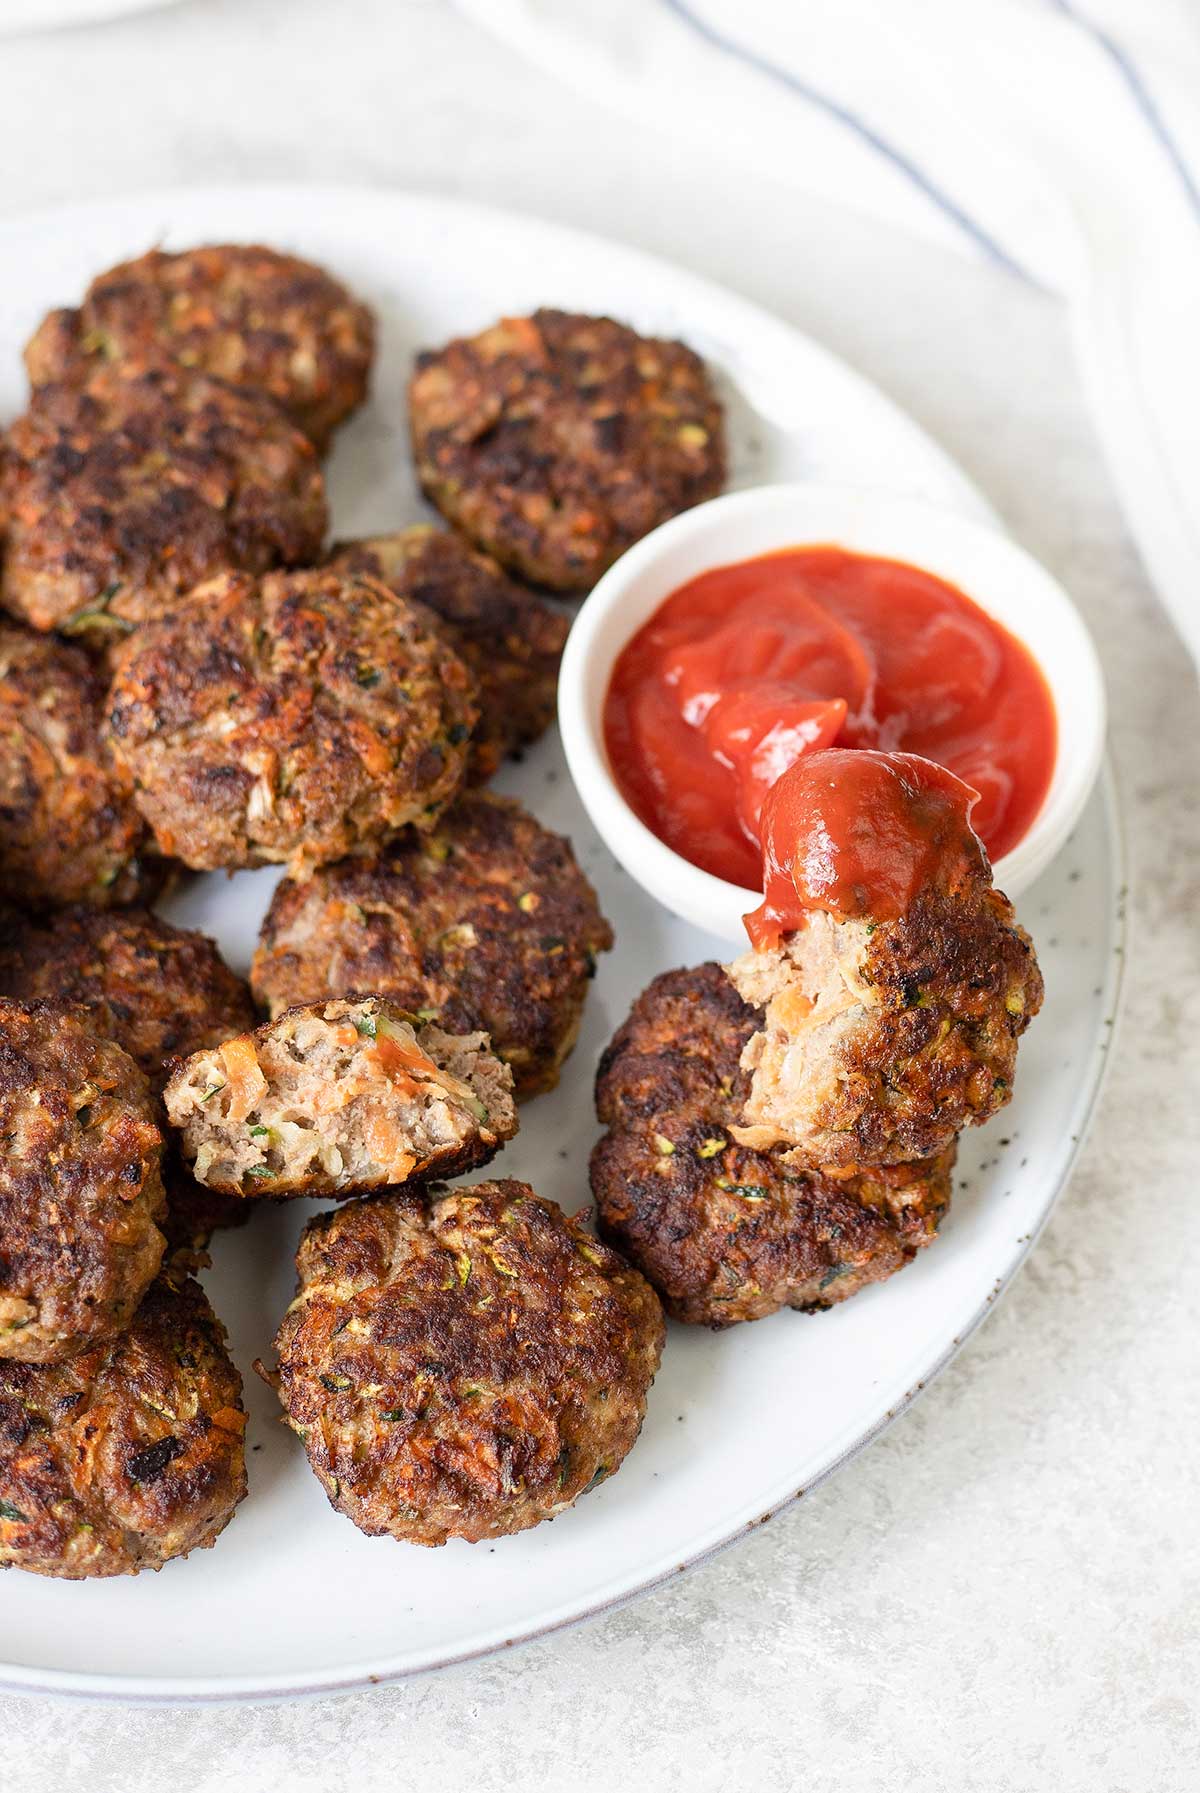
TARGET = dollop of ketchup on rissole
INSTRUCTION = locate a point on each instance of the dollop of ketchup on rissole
(859, 834)
(747, 668)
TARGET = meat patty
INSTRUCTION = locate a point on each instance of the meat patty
(336, 1098)
(121, 494)
(294, 718)
(511, 641)
(69, 830)
(556, 441)
(464, 1367)
(725, 1233)
(81, 1192)
(248, 315)
(158, 990)
(881, 1041)
(487, 922)
(130, 1454)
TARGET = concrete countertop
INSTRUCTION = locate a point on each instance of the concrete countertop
(1003, 1593)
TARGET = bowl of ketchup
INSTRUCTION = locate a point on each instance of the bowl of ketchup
(777, 623)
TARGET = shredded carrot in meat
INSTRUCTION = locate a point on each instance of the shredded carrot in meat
(793, 1007)
(246, 1080)
(229, 1419)
(388, 1145)
(400, 1061)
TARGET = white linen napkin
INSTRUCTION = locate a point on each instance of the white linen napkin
(1059, 139)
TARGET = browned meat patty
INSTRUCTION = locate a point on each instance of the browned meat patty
(246, 314)
(336, 1098)
(130, 1454)
(69, 830)
(881, 1041)
(725, 1233)
(487, 922)
(80, 1186)
(120, 495)
(466, 1367)
(298, 717)
(511, 641)
(556, 441)
(159, 991)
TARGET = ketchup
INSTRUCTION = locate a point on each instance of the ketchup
(749, 667)
(858, 833)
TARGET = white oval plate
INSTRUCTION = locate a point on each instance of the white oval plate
(292, 1599)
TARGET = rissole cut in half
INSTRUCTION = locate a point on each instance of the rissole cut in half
(338, 1097)
(727, 1234)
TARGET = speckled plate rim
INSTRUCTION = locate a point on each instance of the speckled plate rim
(127, 1689)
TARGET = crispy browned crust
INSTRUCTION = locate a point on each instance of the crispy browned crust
(487, 922)
(511, 641)
(723, 1233)
(122, 494)
(957, 983)
(296, 718)
(80, 1184)
(555, 441)
(69, 831)
(246, 314)
(463, 1369)
(157, 990)
(130, 1454)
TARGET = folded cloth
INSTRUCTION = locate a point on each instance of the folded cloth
(1059, 139)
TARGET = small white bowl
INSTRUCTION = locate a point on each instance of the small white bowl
(991, 569)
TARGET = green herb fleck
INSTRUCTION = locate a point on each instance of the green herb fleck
(708, 1148)
(8, 1511)
(749, 1192)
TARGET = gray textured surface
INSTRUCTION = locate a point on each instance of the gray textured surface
(1002, 1593)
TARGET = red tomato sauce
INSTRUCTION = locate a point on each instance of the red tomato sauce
(748, 667)
(859, 833)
